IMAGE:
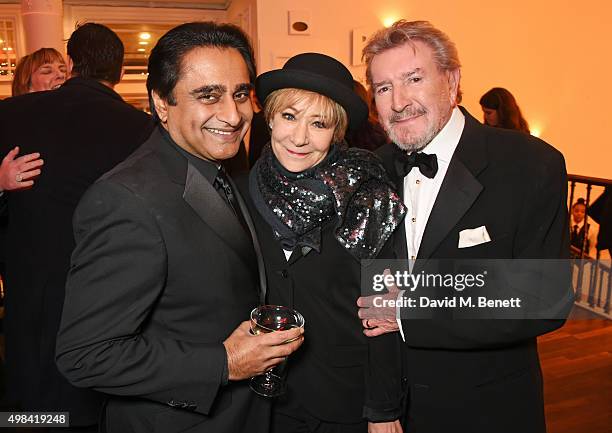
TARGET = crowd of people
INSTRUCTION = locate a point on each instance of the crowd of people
(136, 259)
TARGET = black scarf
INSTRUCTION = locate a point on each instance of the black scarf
(349, 185)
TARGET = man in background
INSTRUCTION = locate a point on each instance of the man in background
(81, 130)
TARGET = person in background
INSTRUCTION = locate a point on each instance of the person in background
(501, 110)
(44, 69)
(319, 208)
(370, 135)
(19, 172)
(601, 212)
(82, 130)
(16, 173)
(578, 231)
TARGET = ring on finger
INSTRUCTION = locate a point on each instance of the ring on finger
(19, 177)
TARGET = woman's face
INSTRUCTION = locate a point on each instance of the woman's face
(48, 76)
(490, 116)
(300, 139)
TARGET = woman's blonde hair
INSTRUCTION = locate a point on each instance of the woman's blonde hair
(331, 113)
(30, 63)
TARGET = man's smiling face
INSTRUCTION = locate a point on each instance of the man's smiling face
(414, 98)
(212, 110)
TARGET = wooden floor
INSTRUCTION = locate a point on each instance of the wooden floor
(577, 365)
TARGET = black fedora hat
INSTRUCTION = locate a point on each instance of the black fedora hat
(317, 73)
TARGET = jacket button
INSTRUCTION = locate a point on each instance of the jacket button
(285, 274)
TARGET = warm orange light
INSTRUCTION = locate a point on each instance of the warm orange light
(388, 21)
(143, 43)
(536, 131)
(145, 36)
(142, 50)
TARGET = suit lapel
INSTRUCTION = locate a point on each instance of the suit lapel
(459, 189)
(400, 249)
(256, 245)
(202, 197)
(457, 193)
(214, 211)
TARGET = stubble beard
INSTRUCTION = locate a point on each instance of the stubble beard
(417, 143)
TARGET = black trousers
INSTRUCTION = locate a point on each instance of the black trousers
(295, 421)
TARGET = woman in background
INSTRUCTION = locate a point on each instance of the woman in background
(44, 69)
(319, 208)
(370, 135)
(501, 110)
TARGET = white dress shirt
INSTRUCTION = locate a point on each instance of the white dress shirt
(420, 192)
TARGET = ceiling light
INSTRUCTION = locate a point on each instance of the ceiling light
(536, 131)
(388, 22)
(145, 36)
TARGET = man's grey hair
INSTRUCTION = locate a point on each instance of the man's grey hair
(402, 32)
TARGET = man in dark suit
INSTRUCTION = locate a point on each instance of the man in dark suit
(472, 193)
(82, 130)
(165, 271)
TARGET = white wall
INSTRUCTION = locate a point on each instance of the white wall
(243, 13)
(330, 31)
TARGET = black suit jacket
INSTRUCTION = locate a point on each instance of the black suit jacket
(474, 375)
(163, 272)
(81, 130)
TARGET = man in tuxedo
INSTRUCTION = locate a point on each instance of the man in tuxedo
(472, 192)
(166, 268)
(81, 130)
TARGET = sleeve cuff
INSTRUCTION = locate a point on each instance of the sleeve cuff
(373, 414)
(225, 372)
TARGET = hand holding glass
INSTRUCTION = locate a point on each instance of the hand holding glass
(270, 318)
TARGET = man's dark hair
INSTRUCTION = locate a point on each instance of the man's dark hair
(96, 52)
(167, 55)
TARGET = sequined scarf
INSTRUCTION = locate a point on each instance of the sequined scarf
(349, 185)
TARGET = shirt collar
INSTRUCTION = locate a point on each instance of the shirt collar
(574, 223)
(445, 143)
(206, 168)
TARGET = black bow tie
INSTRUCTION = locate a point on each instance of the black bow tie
(428, 164)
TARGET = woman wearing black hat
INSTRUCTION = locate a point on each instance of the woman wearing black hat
(320, 208)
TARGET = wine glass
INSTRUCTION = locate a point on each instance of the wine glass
(270, 318)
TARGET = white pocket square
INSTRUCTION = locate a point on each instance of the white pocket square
(472, 237)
